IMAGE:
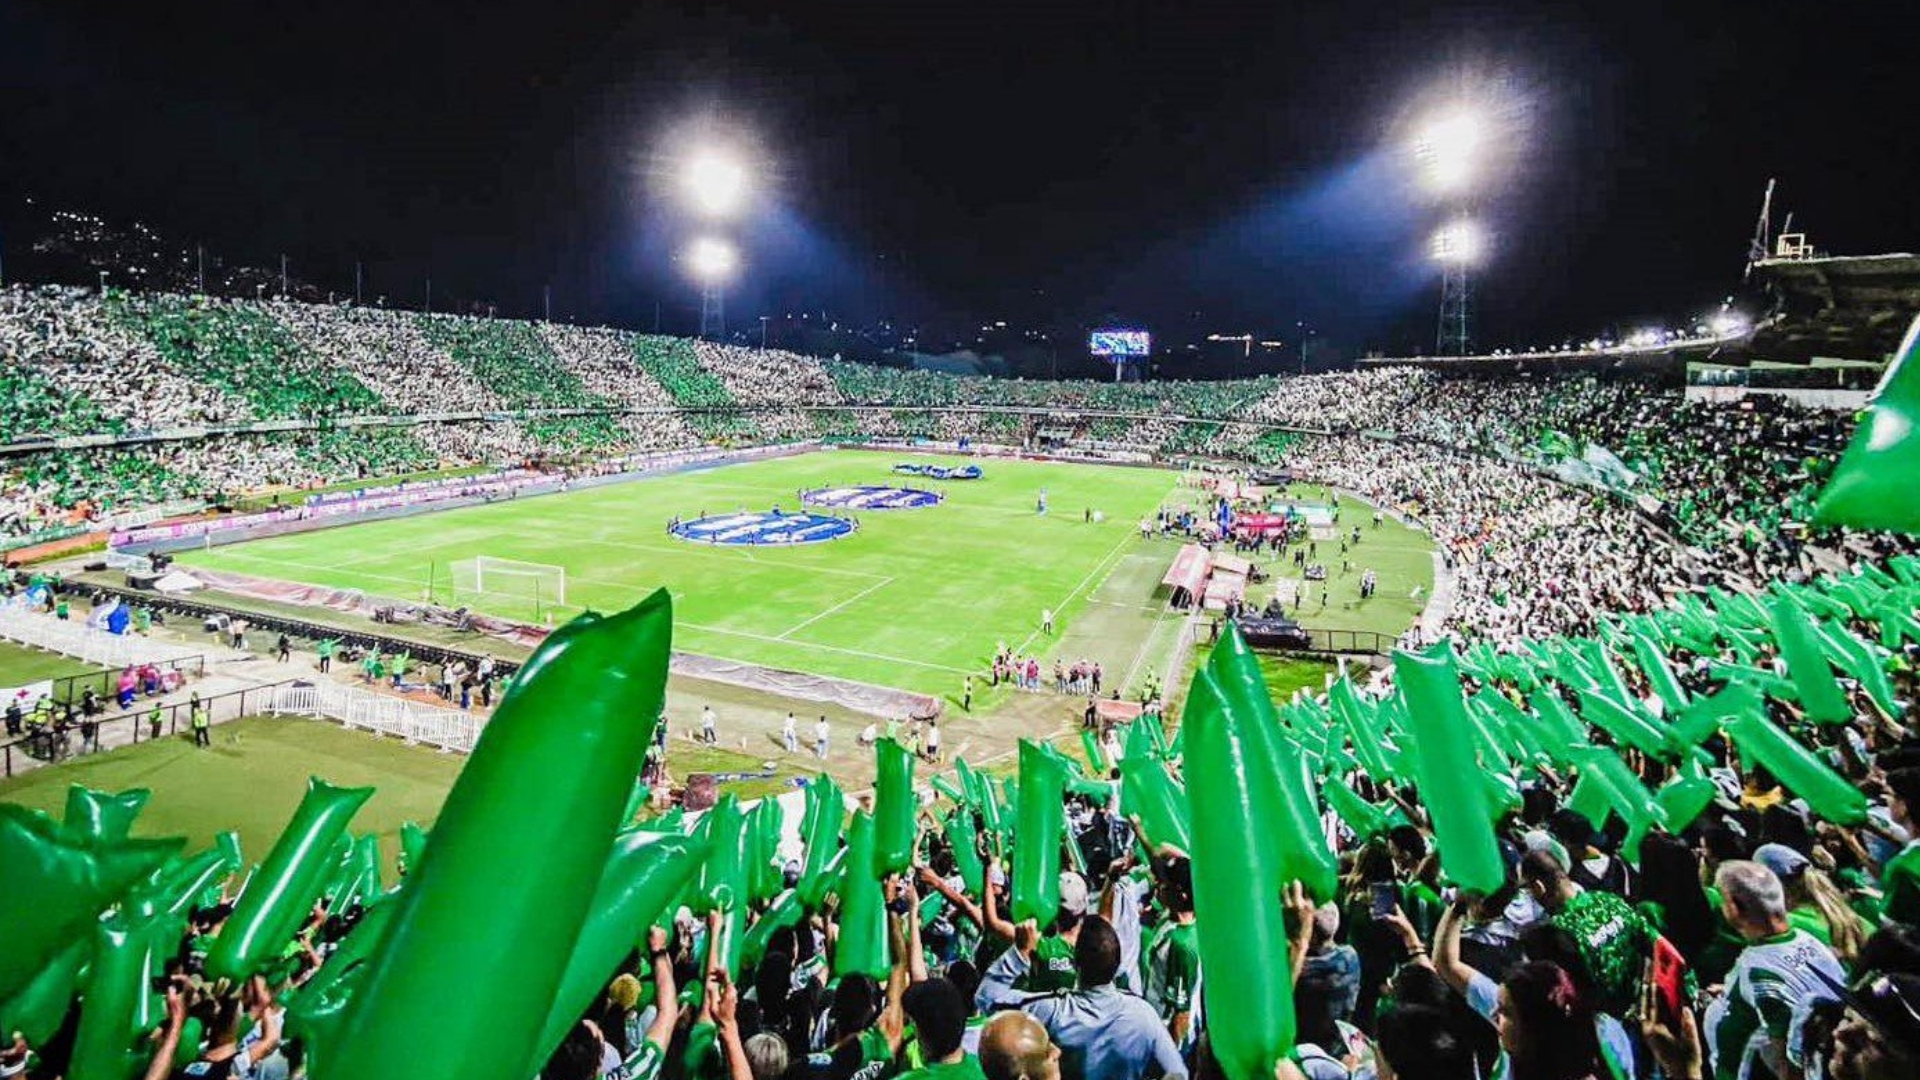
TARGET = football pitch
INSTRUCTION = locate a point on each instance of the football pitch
(913, 598)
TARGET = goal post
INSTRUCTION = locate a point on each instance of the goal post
(485, 576)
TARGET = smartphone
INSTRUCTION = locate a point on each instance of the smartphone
(1384, 896)
(1669, 980)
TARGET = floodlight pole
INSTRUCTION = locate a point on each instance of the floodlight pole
(713, 313)
(1456, 296)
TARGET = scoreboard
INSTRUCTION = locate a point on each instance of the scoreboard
(1120, 343)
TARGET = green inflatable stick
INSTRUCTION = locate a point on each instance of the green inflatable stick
(862, 945)
(722, 882)
(1828, 793)
(1236, 869)
(1857, 658)
(786, 911)
(520, 859)
(1685, 797)
(894, 807)
(945, 789)
(178, 886)
(98, 817)
(815, 889)
(965, 842)
(1873, 485)
(971, 783)
(769, 879)
(316, 1011)
(1365, 819)
(358, 876)
(413, 844)
(1158, 800)
(1037, 835)
(37, 1009)
(1629, 797)
(1559, 730)
(1303, 844)
(127, 956)
(1628, 725)
(1097, 763)
(1450, 783)
(1591, 799)
(279, 898)
(645, 871)
(1813, 683)
(820, 826)
(1363, 727)
(1665, 686)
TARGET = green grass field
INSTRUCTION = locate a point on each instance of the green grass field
(20, 665)
(1401, 556)
(251, 783)
(914, 599)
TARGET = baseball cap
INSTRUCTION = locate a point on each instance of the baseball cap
(1073, 893)
(1781, 859)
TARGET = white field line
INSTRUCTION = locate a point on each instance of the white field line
(822, 648)
(1104, 567)
(875, 587)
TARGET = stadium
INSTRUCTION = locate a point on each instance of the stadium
(435, 691)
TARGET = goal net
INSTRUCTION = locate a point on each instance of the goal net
(486, 577)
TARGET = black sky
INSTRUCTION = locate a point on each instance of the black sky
(950, 163)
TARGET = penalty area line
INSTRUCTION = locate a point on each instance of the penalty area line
(875, 587)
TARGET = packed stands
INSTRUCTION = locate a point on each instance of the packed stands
(1502, 470)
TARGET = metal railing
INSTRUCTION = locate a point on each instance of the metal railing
(1365, 642)
(105, 682)
(352, 642)
(384, 714)
(93, 645)
(60, 741)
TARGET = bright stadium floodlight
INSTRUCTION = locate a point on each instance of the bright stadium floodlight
(1458, 243)
(1728, 324)
(712, 259)
(1448, 148)
(716, 183)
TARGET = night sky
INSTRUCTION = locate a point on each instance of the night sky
(1181, 166)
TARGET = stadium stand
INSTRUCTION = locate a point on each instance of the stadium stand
(1503, 470)
(1652, 795)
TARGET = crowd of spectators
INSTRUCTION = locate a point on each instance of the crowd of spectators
(1769, 930)
(1732, 480)
(1531, 557)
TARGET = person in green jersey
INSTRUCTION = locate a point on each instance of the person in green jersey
(1173, 955)
(1778, 978)
(939, 1014)
(1612, 938)
(1039, 962)
(1900, 877)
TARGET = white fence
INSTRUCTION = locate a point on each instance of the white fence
(95, 646)
(448, 729)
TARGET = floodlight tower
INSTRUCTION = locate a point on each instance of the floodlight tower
(1449, 151)
(712, 261)
(1455, 247)
(715, 184)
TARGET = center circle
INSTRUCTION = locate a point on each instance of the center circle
(758, 528)
(871, 497)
